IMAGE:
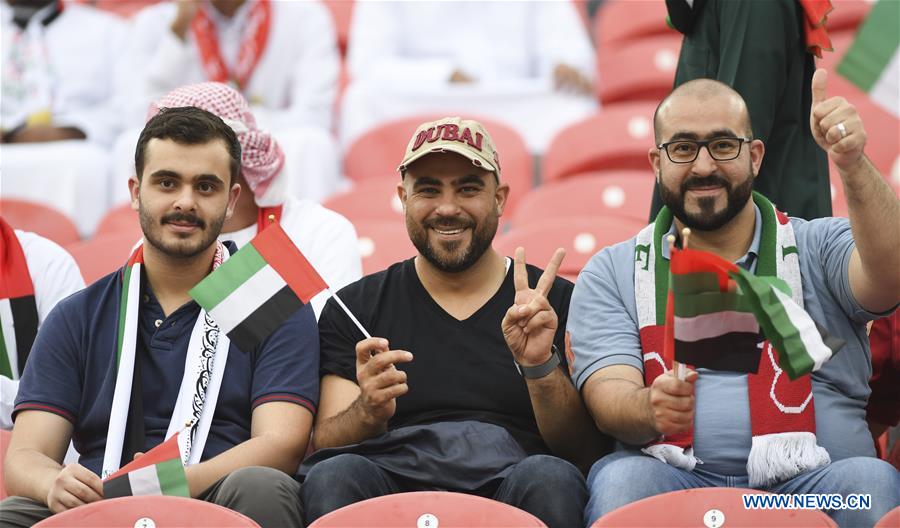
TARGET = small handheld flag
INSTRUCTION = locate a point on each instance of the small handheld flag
(712, 327)
(802, 345)
(158, 472)
(259, 287)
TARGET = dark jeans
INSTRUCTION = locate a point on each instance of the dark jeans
(266, 495)
(547, 487)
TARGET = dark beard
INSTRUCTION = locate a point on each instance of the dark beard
(707, 219)
(481, 241)
(179, 251)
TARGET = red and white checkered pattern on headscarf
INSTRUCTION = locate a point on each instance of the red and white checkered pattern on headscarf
(261, 156)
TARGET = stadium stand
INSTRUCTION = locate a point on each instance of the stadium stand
(377, 153)
(119, 219)
(157, 511)
(891, 520)
(427, 508)
(638, 70)
(580, 236)
(39, 218)
(623, 194)
(372, 199)
(382, 243)
(102, 254)
(618, 137)
(622, 20)
(691, 508)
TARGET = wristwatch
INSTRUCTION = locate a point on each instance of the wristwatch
(542, 370)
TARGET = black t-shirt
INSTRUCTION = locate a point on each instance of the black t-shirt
(461, 370)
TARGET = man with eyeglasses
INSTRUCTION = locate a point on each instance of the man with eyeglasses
(720, 428)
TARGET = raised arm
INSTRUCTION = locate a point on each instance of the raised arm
(874, 267)
(529, 327)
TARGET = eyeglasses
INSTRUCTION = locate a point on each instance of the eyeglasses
(720, 149)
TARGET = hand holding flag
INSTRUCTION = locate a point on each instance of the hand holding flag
(259, 287)
(156, 472)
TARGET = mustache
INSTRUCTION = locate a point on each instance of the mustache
(183, 218)
(447, 225)
(713, 180)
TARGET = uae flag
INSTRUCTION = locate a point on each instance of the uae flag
(258, 288)
(873, 61)
(158, 472)
(802, 345)
(712, 324)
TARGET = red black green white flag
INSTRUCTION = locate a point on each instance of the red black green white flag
(158, 472)
(719, 325)
(258, 288)
(712, 324)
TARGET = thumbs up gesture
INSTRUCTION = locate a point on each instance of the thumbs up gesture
(835, 124)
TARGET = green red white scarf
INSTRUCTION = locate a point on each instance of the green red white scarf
(253, 43)
(18, 310)
(782, 414)
(204, 367)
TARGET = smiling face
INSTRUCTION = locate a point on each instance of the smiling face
(452, 209)
(183, 196)
(705, 194)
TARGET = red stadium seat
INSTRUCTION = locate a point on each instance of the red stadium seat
(621, 20)
(382, 243)
(162, 512)
(373, 199)
(5, 437)
(121, 219)
(378, 152)
(625, 194)
(102, 254)
(638, 70)
(123, 8)
(890, 520)
(427, 508)
(580, 236)
(883, 128)
(847, 14)
(41, 219)
(688, 508)
(616, 138)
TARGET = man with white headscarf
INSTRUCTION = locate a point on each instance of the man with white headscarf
(325, 237)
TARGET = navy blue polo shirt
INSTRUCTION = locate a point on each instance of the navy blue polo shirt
(71, 369)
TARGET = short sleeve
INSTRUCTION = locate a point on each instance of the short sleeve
(829, 242)
(601, 330)
(337, 338)
(53, 271)
(52, 378)
(287, 365)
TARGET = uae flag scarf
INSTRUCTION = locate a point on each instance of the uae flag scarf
(782, 413)
(204, 367)
(18, 310)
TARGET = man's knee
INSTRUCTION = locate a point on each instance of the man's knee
(862, 475)
(550, 472)
(338, 471)
(258, 479)
(21, 511)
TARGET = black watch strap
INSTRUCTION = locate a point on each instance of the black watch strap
(542, 370)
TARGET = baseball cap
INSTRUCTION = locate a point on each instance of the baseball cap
(465, 137)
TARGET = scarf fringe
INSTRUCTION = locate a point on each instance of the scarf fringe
(682, 458)
(778, 457)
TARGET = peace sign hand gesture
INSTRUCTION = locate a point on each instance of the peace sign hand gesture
(529, 325)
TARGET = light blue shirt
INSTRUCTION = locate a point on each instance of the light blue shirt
(603, 327)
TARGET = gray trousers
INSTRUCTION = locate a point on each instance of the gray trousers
(266, 495)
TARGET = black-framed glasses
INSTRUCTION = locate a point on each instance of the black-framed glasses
(720, 149)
